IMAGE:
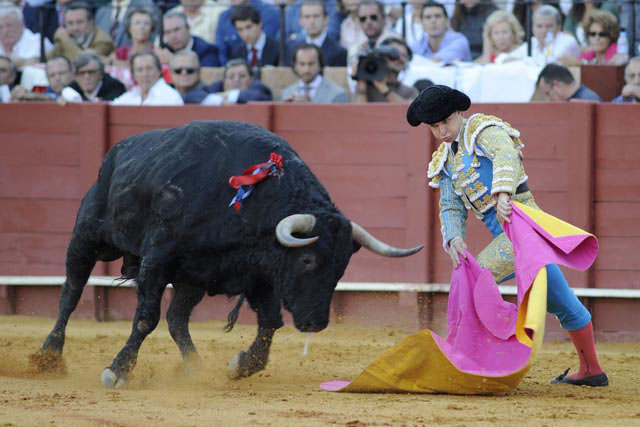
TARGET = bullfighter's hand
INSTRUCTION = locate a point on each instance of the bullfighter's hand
(457, 246)
(504, 207)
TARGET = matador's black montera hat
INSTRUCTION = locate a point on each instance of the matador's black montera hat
(435, 104)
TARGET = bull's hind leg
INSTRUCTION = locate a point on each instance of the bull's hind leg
(81, 258)
(184, 300)
(151, 284)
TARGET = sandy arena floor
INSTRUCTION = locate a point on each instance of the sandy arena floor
(287, 393)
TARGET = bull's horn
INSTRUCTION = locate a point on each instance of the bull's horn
(363, 237)
(298, 223)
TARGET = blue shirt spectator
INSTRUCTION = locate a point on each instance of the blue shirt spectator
(454, 46)
(439, 43)
(226, 35)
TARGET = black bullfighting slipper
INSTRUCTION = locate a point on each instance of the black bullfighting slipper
(599, 380)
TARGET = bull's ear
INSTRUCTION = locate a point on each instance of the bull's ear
(355, 245)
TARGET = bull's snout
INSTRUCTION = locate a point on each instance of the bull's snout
(311, 326)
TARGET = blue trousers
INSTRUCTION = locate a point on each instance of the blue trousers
(562, 302)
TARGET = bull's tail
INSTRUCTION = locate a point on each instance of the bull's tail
(233, 314)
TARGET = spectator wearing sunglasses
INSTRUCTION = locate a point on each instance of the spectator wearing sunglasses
(91, 83)
(185, 73)
(439, 43)
(602, 30)
(373, 22)
(578, 14)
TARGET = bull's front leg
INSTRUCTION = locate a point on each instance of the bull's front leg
(254, 359)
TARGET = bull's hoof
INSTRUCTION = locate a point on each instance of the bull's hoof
(47, 361)
(242, 365)
(191, 367)
(233, 370)
(111, 380)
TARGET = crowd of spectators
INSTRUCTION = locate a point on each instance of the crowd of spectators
(153, 52)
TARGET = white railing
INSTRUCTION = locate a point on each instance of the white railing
(111, 281)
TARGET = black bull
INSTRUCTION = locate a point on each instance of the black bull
(161, 203)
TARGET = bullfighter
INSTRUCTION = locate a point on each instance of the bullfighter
(478, 167)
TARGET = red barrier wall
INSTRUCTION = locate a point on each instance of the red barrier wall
(616, 211)
(373, 164)
(49, 156)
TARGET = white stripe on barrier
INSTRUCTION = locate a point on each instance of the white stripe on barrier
(111, 281)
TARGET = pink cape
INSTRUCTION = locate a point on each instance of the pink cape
(490, 343)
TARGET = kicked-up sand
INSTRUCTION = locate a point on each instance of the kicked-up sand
(162, 392)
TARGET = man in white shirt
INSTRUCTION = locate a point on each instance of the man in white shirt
(312, 86)
(152, 89)
(549, 42)
(16, 41)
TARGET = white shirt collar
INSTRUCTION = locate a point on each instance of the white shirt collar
(318, 41)
(260, 43)
(89, 39)
(159, 94)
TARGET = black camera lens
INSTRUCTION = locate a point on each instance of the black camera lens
(371, 67)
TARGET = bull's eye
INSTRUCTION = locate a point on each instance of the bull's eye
(308, 261)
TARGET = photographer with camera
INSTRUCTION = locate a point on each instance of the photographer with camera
(378, 70)
(373, 23)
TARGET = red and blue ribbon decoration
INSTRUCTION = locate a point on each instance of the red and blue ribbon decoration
(245, 183)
